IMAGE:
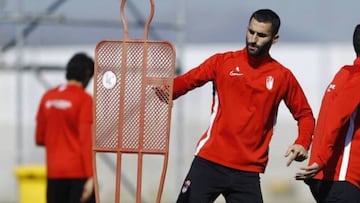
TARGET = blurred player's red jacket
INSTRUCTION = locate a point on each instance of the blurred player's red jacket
(64, 122)
(245, 105)
(336, 146)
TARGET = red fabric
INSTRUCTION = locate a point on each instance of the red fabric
(337, 135)
(64, 122)
(245, 108)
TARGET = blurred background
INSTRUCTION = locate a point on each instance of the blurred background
(37, 38)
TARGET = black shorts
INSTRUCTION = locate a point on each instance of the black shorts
(207, 180)
(66, 190)
(333, 191)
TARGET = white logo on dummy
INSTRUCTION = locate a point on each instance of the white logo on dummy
(269, 82)
(236, 72)
(109, 80)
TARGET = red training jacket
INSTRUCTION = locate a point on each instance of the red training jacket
(247, 97)
(64, 121)
(336, 145)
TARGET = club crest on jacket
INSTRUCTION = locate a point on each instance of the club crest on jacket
(269, 82)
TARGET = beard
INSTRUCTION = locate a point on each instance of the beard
(258, 51)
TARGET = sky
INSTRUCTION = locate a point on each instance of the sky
(180, 21)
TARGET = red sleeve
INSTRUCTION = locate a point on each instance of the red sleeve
(40, 124)
(195, 77)
(86, 120)
(338, 114)
(299, 107)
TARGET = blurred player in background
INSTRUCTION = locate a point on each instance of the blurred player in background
(64, 127)
(333, 173)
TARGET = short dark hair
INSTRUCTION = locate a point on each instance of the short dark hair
(267, 16)
(80, 68)
(356, 40)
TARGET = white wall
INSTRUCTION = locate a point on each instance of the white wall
(313, 65)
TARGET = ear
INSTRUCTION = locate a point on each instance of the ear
(275, 39)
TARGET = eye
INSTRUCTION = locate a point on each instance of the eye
(251, 31)
(262, 35)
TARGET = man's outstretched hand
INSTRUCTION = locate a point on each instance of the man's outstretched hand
(162, 93)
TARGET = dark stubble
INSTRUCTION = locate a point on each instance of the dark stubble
(260, 51)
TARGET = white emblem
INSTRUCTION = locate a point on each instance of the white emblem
(269, 82)
(236, 72)
(186, 185)
(109, 79)
(331, 87)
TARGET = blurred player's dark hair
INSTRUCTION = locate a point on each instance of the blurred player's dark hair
(80, 68)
